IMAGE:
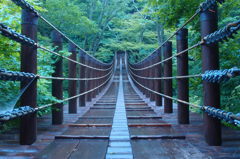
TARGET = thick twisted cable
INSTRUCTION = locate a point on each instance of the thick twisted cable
(18, 112)
(223, 34)
(167, 59)
(222, 114)
(22, 111)
(11, 34)
(70, 98)
(15, 76)
(218, 76)
(208, 4)
(218, 36)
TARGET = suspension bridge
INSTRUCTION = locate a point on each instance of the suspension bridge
(121, 109)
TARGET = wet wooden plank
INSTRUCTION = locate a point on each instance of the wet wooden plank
(102, 107)
(96, 117)
(90, 125)
(95, 120)
(136, 104)
(59, 149)
(141, 113)
(94, 131)
(90, 149)
(100, 112)
(165, 149)
(139, 109)
(136, 137)
(150, 125)
(80, 137)
(144, 117)
(151, 131)
(143, 120)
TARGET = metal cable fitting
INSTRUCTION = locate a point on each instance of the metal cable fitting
(237, 122)
(209, 4)
(217, 76)
(223, 34)
(10, 33)
(18, 112)
(15, 76)
(220, 114)
(25, 5)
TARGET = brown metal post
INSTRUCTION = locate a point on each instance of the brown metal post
(168, 106)
(145, 74)
(94, 93)
(97, 81)
(82, 84)
(72, 85)
(158, 83)
(57, 87)
(100, 81)
(182, 70)
(211, 91)
(148, 74)
(151, 72)
(88, 75)
(28, 123)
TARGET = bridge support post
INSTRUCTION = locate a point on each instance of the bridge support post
(100, 73)
(158, 83)
(211, 91)
(72, 85)
(57, 87)
(168, 104)
(138, 72)
(147, 74)
(82, 84)
(152, 74)
(95, 81)
(183, 83)
(88, 75)
(28, 123)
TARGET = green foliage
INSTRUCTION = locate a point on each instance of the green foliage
(106, 27)
(174, 13)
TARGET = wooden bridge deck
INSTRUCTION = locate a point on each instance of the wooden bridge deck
(153, 134)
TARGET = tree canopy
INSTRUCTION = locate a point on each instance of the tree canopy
(106, 27)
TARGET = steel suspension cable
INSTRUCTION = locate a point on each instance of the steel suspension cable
(67, 58)
(203, 108)
(203, 6)
(220, 114)
(74, 79)
(171, 36)
(164, 78)
(13, 35)
(66, 37)
(167, 59)
(67, 99)
(164, 95)
(25, 5)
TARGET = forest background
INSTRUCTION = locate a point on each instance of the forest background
(106, 27)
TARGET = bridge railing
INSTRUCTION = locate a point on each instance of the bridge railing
(94, 75)
(149, 74)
